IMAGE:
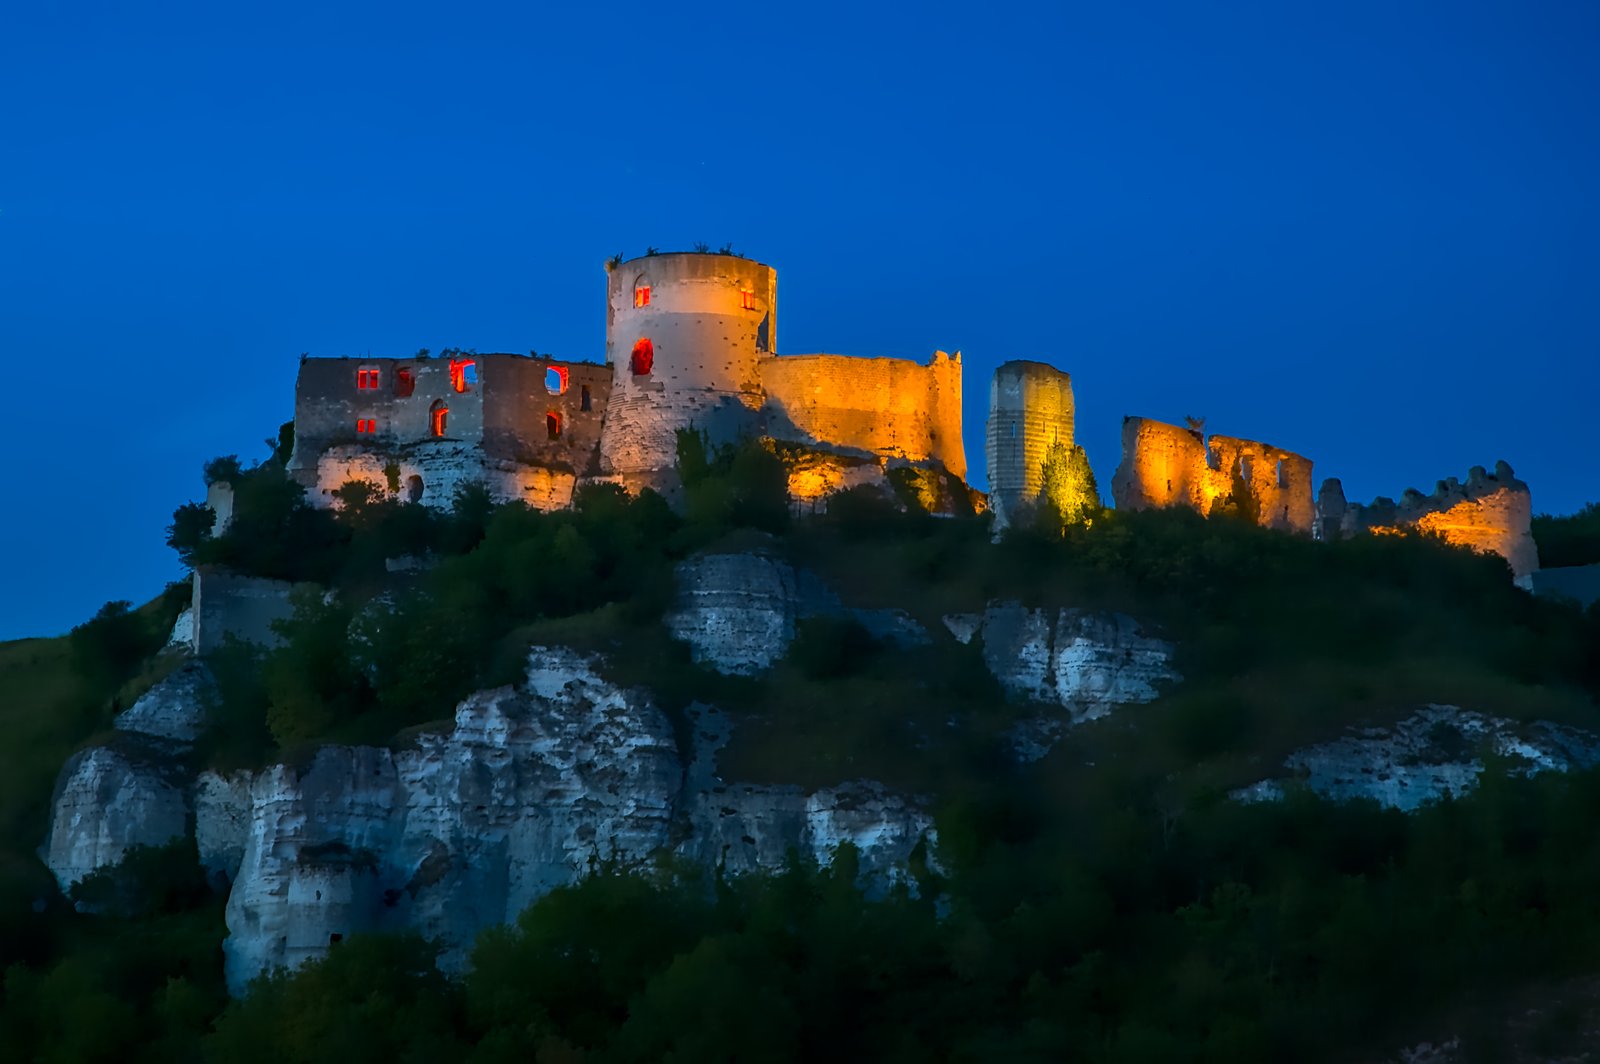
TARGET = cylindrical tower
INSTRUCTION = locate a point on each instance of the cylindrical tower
(685, 333)
(1030, 407)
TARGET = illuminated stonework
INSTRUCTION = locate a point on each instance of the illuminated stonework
(690, 344)
(1030, 408)
(1491, 513)
(1165, 465)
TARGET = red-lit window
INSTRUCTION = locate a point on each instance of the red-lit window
(438, 417)
(747, 300)
(555, 380)
(405, 382)
(641, 296)
(366, 378)
(552, 425)
(366, 425)
(463, 373)
(644, 356)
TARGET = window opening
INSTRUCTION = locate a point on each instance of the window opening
(438, 417)
(366, 378)
(463, 374)
(764, 333)
(552, 425)
(555, 380)
(413, 488)
(334, 938)
(584, 403)
(366, 425)
(1283, 475)
(747, 300)
(641, 295)
(405, 382)
(643, 358)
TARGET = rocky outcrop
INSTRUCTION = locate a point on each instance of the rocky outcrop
(1087, 662)
(738, 612)
(109, 799)
(175, 708)
(1435, 752)
(531, 789)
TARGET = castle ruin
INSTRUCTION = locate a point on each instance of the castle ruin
(1030, 409)
(1165, 465)
(1491, 513)
(690, 344)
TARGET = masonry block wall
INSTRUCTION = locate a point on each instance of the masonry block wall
(1165, 465)
(1490, 513)
(888, 407)
(1030, 408)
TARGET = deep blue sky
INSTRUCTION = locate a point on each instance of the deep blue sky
(1365, 232)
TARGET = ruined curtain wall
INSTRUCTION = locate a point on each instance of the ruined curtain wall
(884, 406)
(1165, 465)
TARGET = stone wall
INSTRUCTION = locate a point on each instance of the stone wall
(1165, 465)
(888, 407)
(1491, 513)
(1030, 408)
(508, 430)
(225, 603)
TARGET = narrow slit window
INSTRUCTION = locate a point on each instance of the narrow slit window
(584, 401)
(747, 300)
(366, 378)
(552, 425)
(366, 425)
(438, 418)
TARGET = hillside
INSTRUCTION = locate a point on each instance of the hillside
(1033, 752)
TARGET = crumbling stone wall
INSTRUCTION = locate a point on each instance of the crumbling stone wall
(1165, 465)
(1030, 408)
(497, 432)
(1490, 513)
(888, 407)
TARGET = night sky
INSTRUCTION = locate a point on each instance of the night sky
(1364, 232)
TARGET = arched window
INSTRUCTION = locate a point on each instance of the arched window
(413, 488)
(463, 374)
(644, 357)
(438, 417)
(552, 425)
(555, 380)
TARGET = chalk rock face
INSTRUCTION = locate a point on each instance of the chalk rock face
(1432, 753)
(462, 832)
(1087, 662)
(222, 810)
(108, 800)
(174, 709)
(736, 611)
(745, 827)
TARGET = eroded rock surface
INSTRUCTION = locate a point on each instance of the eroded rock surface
(1087, 662)
(1435, 752)
(174, 709)
(109, 799)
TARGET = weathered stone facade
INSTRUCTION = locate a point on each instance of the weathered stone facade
(690, 344)
(1030, 408)
(1165, 465)
(1491, 513)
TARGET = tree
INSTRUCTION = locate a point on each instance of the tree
(1068, 494)
(222, 468)
(191, 526)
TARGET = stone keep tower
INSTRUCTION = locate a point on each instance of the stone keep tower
(685, 335)
(1030, 407)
